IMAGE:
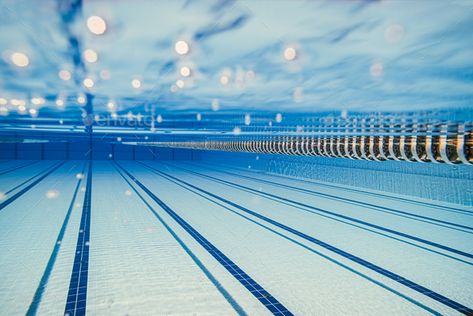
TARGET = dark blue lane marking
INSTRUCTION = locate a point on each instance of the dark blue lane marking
(393, 276)
(381, 284)
(264, 194)
(380, 208)
(17, 167)
(77, 294)
(381, 195)
(271, 303)
(20, 193)
(5, 161)
(194, 258)
(33, 308)
(26, 181)
(407, 242)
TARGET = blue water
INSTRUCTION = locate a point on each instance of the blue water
(191, 237)
(109, 204)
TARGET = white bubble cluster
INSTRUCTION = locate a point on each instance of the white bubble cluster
(181, 47)
(224, 80)
(90, 55)
(65, 75)
(215, 105)
(180, 83)
(20, 59)
(88, 83)
(96, 25)
(290, 53)
(185, 71)
(247, 119)
(52, 194)
(135, 83)
(279, 117)
(376, 69)
(236, 131)
(111, 105)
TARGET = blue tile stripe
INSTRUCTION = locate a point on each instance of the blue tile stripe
(385, 209)
(77, 294)
(350, 189)
(316, 209)
(391, 275)
(238, 309)
(27, 180)
(300, 244)
(271, 303)
(404, 241)
(33, 308)
(31, 185)
(16, 168)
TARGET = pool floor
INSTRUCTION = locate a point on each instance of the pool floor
(192, 238)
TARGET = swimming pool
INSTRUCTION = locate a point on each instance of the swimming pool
(147, 237)
(236, 157)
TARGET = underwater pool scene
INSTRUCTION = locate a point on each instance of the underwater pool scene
(236, 157)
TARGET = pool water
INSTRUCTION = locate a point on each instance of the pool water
(190, 237)
(225, 157)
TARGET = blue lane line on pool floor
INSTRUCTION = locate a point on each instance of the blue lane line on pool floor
(292, 240)
(77, 294)
(33, 308)
(27, 180)
(384, 209)
(24, 190)
(17, 168)
(373, 231)
(393, 276)
(352, 219)
(238, 309)
(351, 189)
(271, 303)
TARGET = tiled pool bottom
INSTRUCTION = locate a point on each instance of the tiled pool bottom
(149, 238)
